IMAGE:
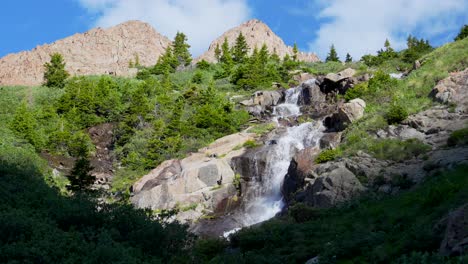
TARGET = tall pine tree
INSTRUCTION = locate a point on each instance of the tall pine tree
(240, 50)
(332, 55)
(348, 58)
(181, 50)
(295, 52)
(80, 176)
(226, 57)
(217, 52)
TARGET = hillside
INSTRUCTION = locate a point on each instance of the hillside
(256, 34)
(98, 51)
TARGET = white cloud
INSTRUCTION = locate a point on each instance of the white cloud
(201, 20)
(361, 26)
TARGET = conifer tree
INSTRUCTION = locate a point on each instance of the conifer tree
(240, 49)
(24, 124)
(263, 55)
(332, 55)
(348, 58)
(55, 73)
(217, 52)
(80, 176)
(295, 51)
(181, 50)
(274, 57)
(463, 33)
(226, 57)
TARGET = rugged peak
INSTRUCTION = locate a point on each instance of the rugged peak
(256, 33)
(97, 51)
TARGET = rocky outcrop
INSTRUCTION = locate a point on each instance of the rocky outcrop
(455, 242)
(339, 83)
(98, 51)
(256, 34)
(262, 101)
(347, 114)
(201, 183)
(336, 184)
(453, 90)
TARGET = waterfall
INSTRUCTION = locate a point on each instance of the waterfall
(263, 198)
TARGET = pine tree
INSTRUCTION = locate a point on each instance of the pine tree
(24, 124)
(348, 58)
(166, 62)
(263, 56)
(80, 176)
(274, 57)
(226, 57)
(55, 73)
(295, 52)
(332, 55)
(463, 33)
(181, 50)
(217, 52)
(240, 49)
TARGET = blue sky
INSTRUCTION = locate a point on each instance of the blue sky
(355, 26)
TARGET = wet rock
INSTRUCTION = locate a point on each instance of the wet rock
(330, 140)
(455, 242)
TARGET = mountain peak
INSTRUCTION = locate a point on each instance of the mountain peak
(256, 34)
(97, 51)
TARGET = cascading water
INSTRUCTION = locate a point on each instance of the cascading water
(263, 197)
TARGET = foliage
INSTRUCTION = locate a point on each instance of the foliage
(250, 144)
(240, 49)
(332, 55)
(416, 49)
(197, 78)
(80, 176)
(327, 155)
(203, 65)
(462, 34)
(261, 129)
(55, 73)
(181, 49)
(397, 150)
(382, 229)
(357, 91)
(458, 137)
(295, 52)
(396, 114)
(348, 58)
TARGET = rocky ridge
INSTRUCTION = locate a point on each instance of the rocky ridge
(98, 51)
(256, 34)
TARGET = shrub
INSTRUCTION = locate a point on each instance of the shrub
(197, 78)
(463, 33)
(397, 150)
(262, 129)
(458, 137)
(203, 65)
(396, 114)
(250, 144)
(327, 155)
(358, 91)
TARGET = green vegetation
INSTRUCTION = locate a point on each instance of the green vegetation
(462, 34)
(327, 155)
(55, 73)
(80, 176)
(396, 114)
(458, 138)
(250, 144)
(379, 229)
(262, 129)
(332, 55)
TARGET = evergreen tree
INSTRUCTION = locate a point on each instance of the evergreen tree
(55, 73)
(24, 125)
(295, 51)
(166, 62)
(217, 52)
(181, 50)
(240, 49)
(463, 33)
(80, 176)
(274, 57)
(226, 57)
(263, 55)
(332, 55)
(348, 58)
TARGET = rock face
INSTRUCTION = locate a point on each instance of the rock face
(453, 90)
(456, 234)
(261, 101)
(204, 181)
(347, 114)
(256, 33)
(98, 51)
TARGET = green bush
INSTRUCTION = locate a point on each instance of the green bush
(397, 150)
(55, 73)
(327, 155)
(358, 91)
(197, 78)
(458, 137)
(396, 114)
(250, 144)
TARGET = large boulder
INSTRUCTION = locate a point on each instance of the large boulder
(262, 101)
(453, 90)
(311, 93)
(335, 184)
(347, 114)
(338, 83)
(201, 181)
(455, 240)
(344, 74)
